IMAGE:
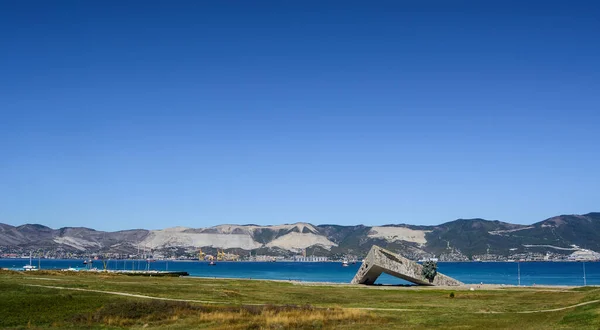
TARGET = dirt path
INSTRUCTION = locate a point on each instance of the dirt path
(128, 294)
(549, 310)
(357, 308)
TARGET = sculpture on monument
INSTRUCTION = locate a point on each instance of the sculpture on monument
(429, 270)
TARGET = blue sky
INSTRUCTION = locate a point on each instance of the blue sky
(129, 114)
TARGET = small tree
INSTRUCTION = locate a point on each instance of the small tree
(429, 270)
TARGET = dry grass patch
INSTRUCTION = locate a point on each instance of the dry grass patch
(301, 318)
(155, 313)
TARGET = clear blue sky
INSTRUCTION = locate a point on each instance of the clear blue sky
(128, 114)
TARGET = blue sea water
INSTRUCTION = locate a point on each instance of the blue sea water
(541, 273)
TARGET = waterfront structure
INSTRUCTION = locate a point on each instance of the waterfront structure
(310, 259)
(584, 255)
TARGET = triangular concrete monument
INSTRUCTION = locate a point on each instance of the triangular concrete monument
(383, 261)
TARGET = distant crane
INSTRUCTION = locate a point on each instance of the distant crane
(201, 255)
(220, 255)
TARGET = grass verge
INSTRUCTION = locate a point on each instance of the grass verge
(244, 304)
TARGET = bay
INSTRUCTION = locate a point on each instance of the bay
(531, 273)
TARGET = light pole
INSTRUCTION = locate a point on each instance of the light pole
(584, 279)
(519, 272)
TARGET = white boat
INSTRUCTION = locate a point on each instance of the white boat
(345, 263)
(29, 267)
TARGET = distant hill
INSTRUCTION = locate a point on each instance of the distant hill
(460, 239)
(561, 231)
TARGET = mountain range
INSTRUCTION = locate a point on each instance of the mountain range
(461, 239)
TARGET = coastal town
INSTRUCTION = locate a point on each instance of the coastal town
(221, 255)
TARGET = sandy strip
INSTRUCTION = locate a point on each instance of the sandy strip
(400, 287)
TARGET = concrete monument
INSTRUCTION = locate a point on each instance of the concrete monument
(383, 261)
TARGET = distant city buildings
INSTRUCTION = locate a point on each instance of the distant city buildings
(303, 258)
(575, 253)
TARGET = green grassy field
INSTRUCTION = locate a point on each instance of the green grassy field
(81, 300)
